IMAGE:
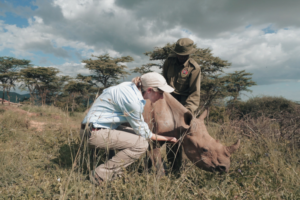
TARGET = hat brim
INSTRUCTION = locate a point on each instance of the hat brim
(185, 53)
(166, 88)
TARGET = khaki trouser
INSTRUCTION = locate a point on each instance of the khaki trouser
(131, 147)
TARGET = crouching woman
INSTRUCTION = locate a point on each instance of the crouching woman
(116, 105)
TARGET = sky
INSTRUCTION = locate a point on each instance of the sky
(261, 37)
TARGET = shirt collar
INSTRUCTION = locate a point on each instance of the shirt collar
(137, 92)
(185, 64)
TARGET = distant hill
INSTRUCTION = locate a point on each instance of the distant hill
(15, 97)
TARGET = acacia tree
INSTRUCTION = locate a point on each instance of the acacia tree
(237, 82)
(107, 70)
(217, 87)
(7, 82)
(39, 81)
(90, 89)
(75, 89)
(9, 68)
(144, 68)
(213, 88)
(57, 89)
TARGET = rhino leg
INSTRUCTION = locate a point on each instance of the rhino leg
(174, 156)
(155, 160)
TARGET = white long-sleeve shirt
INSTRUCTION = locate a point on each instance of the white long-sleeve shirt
(119, 104)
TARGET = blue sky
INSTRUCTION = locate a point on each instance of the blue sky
(253, 36)
(13, 19)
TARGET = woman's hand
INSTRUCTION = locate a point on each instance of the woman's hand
(156, 137)
(173, 140)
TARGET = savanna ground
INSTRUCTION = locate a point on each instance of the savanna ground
(41, 158)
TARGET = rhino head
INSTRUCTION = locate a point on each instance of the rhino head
(203, 150)
(173, 119)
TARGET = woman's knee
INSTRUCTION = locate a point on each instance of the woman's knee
(142, 146)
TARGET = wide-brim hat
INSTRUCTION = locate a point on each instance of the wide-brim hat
(155, 80)
(184, 46)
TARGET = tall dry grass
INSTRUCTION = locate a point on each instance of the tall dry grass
(51, 165)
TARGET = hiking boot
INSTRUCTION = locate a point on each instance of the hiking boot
(95, 179)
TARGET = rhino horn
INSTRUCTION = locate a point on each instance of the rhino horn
(231, 149)
(203, 115)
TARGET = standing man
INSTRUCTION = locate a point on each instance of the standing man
(184, 75)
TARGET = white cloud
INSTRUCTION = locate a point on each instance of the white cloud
(71, 9)
(72, 69)
(132, 27)
(271, 57)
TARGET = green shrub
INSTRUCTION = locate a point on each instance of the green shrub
(259, 106)
(218, 114)
(276, 111)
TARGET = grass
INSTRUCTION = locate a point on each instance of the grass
(42, 165)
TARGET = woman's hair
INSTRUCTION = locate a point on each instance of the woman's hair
(137, 81)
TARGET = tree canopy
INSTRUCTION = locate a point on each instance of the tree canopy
(204, 57)
(107, 70)
(9, 68)
(10, 64)
(39, 81)
(239, 81)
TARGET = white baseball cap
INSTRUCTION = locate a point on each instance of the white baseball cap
(155, 80)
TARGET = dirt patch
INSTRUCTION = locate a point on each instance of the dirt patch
(19, 110)
(56, 117)
(39, 126)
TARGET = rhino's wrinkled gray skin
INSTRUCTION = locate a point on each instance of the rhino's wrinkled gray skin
(168, 117)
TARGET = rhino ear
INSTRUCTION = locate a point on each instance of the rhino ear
(203, 115)
(188, 117)
(231, 149)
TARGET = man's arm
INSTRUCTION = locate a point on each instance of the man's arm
(193, 100)
(165, 69)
